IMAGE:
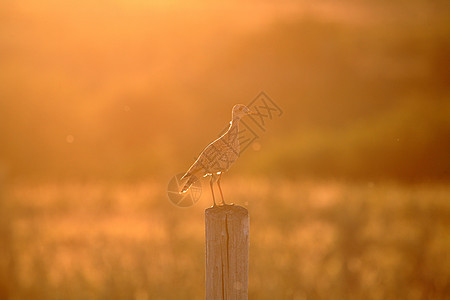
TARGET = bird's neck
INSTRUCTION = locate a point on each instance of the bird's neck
(235, 120)
(234, 124)
(233, 130)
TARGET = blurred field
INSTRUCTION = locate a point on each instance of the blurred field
(324, 240)
(130, 89)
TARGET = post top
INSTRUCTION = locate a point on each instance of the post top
(234, 210)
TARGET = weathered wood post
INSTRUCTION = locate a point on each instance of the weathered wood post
(227, 244)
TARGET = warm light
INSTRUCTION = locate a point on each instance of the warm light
(70, 139)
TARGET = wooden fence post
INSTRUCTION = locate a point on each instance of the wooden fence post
(227, 244)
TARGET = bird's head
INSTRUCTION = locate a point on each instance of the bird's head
(240, 110)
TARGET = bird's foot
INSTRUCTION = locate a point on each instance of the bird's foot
(225, 204)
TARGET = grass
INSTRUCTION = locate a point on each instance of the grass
(308, 240)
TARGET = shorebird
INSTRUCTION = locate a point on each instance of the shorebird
(218, 156)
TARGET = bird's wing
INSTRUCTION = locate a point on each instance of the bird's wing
(207, 158)
(193, 170)
(198, 167)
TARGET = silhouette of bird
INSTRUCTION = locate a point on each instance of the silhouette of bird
(219, 155)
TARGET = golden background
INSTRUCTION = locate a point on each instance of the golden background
(102, 102)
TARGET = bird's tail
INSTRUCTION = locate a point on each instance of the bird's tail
(191, 180)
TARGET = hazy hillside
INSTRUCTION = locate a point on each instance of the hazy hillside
(133, 90)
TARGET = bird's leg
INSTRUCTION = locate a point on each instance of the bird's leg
(212, 191)
(220, 189)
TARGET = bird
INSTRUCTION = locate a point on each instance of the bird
(218, 156)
